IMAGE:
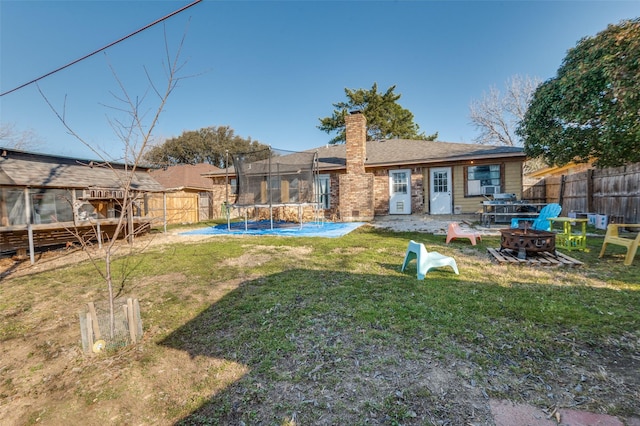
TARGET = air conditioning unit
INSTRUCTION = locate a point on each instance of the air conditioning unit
(490, 189)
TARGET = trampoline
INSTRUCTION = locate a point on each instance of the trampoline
(275, 187)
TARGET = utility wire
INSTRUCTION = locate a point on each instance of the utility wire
(102, 48)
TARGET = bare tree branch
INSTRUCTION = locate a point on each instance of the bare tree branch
(497, 115)
(10, 137)
(136, 133)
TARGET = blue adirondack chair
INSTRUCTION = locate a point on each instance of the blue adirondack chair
(541, 223)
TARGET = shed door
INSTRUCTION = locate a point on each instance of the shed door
(400, 191)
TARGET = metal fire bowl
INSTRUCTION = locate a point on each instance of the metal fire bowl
(529, 240)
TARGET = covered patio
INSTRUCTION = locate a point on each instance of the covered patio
(51, 201)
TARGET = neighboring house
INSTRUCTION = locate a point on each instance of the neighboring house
(567, 169)
(46, 196)
(189, 196)
(359, 180)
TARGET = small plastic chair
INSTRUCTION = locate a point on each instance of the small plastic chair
(613, 237)
(454, 231)
(427, 260)
(541, 223)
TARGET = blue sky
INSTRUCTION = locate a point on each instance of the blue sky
(271, 69)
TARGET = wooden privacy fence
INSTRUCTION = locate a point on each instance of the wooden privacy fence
(181, 207)
(613, 191)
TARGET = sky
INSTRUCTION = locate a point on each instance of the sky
(271, 69)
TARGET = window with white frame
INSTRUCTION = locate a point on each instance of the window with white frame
(323, 186)
(483, 179)
(272, 187)
(400, 182)
(294, 190)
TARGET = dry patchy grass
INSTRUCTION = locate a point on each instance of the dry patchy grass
(319, 331)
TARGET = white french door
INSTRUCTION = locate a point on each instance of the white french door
(440, 191)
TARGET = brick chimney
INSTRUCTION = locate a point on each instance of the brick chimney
(356, 187)
(356, 132)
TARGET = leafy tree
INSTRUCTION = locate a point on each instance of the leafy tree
(207, 145)
(386, 119)
(590, 110)
(497, 114)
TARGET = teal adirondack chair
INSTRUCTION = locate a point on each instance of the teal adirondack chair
(541, 223)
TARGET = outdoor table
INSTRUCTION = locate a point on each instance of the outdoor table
(504, 211)
(567, 239)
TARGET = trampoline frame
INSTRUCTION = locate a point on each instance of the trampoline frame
(244, 208)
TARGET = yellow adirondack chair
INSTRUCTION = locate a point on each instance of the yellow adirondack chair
(613, 237)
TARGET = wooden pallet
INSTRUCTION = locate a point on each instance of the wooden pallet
(537, 259)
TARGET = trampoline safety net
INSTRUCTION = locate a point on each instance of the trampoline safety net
(275, 177)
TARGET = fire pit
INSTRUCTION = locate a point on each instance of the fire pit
(527, 241)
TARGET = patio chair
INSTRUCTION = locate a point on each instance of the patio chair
(540, 223)
(427, 260)
(613, 237)
(454, 231)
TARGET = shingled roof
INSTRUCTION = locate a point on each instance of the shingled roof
(19, 168)
(185, 176)
(406, 152)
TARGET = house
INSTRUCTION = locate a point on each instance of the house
(44, 197)
(361, 179)
(189, 196)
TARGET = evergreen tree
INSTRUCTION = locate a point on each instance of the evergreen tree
(386, 119)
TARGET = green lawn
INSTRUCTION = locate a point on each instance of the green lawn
(273, 330)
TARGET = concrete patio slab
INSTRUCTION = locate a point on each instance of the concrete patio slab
(507, 413)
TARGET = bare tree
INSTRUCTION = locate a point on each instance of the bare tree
(135, 131)
(497, 114)
(10, 137)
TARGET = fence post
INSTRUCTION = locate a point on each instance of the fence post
(131, 320)
(589, 194)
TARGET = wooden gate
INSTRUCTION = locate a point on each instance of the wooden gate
(181, 207)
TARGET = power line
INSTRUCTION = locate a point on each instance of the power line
(102, 48)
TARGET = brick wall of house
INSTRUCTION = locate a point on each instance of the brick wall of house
(333, 212)
(381, 191)
(219, 196)
(417, 191)
(358, 204)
